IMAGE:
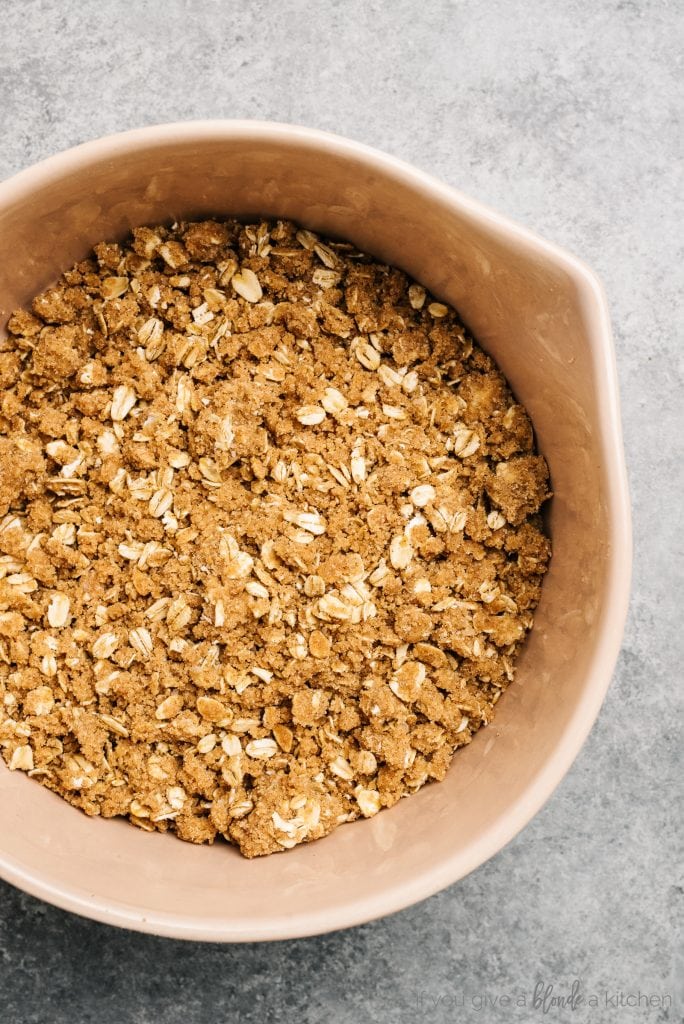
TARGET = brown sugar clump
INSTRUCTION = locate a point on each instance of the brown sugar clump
(56, 354)
(271, 534)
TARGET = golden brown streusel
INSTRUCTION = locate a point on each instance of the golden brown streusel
(270, 540)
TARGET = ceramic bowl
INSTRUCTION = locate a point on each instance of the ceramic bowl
(542, 315)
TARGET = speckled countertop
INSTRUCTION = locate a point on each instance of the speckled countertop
(567, 116)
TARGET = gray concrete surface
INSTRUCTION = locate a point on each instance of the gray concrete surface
(567, 116)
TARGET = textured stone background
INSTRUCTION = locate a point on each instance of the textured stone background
(567, 116)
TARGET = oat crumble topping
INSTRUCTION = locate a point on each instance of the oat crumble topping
(271, 534)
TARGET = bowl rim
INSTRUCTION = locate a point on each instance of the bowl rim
(592, 299)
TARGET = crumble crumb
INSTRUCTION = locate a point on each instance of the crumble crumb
(271, 534)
